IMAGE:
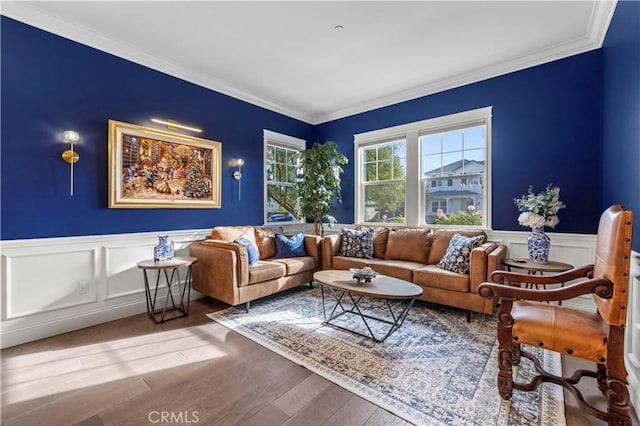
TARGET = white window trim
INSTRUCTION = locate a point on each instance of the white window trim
(274, 138)
(411, 133)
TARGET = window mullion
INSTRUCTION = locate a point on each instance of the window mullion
(413, 196)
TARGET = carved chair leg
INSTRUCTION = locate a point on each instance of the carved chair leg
(601, 377)
(616, 382)
(515, 353)
(505, 348)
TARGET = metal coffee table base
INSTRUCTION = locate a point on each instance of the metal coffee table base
(395, 323)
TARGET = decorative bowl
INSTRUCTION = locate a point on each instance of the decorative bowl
(361, 277)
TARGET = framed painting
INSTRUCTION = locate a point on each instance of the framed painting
(152, 168)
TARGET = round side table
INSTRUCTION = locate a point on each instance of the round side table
(534, 268)
(171, 308)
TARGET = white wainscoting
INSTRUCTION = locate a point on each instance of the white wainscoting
(632, 338)
(574, 249)
(55, 285)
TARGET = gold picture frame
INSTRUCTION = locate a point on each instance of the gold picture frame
(152, 168)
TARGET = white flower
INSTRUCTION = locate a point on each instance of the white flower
(531, 220)
(540, 209)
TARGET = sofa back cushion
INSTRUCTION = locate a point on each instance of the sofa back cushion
(266, 241)
(441, 240)
(232, 233)
(408, 244)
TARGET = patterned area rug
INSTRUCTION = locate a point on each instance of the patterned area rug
(436, 369)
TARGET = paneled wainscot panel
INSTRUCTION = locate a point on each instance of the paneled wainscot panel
(55, 285)
(38, 283)
(632, 338)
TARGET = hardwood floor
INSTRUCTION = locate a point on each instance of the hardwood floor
(186, 371)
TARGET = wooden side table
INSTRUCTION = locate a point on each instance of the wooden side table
(534, 268)
(173, 309)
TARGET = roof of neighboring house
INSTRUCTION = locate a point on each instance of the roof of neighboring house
(452, 167)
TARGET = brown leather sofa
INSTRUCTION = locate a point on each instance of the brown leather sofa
(223, 271)
(412, 255)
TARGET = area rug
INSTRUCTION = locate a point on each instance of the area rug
(436, 369)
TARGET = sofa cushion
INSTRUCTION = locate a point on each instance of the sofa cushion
(458, 254)
(441, 242)
(408, 244)
(297, 264)
(264, 271)
(290, 246)
(344, 262)
(357, 243)
(432, 276)
(232, 233)
(252, 250)
(266, 241)
(401, 269)
(380, 239)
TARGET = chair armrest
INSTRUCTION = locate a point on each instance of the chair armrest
(217, 252)
(562, 277)
(330, 247)
(599, 286)
(313, 248)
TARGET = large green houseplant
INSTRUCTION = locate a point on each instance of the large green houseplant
(318, 183)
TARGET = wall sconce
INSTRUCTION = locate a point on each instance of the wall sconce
(237, 175)
(70, 156)
(174, 125)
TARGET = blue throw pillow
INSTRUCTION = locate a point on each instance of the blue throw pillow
(252, 250)
(290, 247)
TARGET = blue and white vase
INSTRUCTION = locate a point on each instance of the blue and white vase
(538, 244)
(164, 250)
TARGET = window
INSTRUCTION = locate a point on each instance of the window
(281, 170)
(433, 172)
(453, 154)
(383, 181)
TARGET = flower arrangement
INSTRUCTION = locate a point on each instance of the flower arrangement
(540, 209)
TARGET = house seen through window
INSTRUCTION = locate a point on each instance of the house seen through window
(432, 172)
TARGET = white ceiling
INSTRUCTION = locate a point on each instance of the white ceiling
(287, 56)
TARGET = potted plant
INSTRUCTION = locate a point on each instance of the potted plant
(318, 183)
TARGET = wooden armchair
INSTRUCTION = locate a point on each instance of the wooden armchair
(597, 337)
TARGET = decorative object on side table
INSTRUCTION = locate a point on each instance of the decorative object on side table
(164, 250)
(537, 211)
(365, 274)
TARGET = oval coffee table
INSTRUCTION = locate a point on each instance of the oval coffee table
(341, 283)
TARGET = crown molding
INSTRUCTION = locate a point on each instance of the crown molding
(33, 16)
(601, 15)
(593, 39)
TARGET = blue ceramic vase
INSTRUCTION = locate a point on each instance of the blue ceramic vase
(164, 250)
(538, 244)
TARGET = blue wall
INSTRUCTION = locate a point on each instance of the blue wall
(621, 112)
(546, 129)
(51, 84)
(572, 122)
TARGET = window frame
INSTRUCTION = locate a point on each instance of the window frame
(283, 141)
(414, 188)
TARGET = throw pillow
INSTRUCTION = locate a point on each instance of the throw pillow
(290, 246)
(357, 243)
(458, 254)
(252, 250)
